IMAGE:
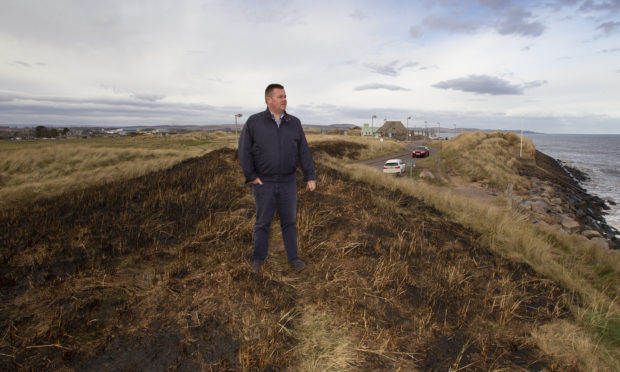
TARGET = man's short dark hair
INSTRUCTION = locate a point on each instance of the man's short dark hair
(270, 89)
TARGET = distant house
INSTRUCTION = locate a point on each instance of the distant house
(367, 130)
(394, 129)
(128, 132)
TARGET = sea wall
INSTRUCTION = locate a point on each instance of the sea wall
(556, 198)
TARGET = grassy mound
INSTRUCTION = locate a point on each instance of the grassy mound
(591, 335)
(31, 170)
(153, 273)
(489, 158)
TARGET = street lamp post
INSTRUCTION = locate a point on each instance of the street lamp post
(237, 116)
(372, 125)
(438, 130)
(408, 117)
(425, 128)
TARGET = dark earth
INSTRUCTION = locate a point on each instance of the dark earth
(153, 274)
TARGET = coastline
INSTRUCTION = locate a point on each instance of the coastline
(594, 169)
(556, 198)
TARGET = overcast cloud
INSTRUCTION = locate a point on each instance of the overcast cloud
(379, 86)
(391, 69)
(493, 64)
(482, 84)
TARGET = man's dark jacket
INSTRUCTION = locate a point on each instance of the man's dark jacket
(271, 153)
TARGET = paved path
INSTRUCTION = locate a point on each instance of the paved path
(404, 156)
(456, 183)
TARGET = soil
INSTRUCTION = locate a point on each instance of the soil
(153, 274)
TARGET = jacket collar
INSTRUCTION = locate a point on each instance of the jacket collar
(284, 114)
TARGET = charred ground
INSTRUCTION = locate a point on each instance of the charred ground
(153, 274)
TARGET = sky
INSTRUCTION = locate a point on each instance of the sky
(550, 66)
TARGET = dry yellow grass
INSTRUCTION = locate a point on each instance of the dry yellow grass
(323, 343)
(31, 170)
(375, 148)
(344, 280)
(157, 266)
(592, 274)
(490, 158)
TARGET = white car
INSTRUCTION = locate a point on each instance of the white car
(394, 166)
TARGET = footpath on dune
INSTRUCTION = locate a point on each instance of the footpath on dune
(153, 274)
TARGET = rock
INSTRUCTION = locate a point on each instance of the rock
(516, 200)
(577, 173)
(557, 218)
(591, 234)
(539, 207)
(601, 242)
(556, 209)
(569, 224)
(426, 174)
(526, 205)
(548, 189)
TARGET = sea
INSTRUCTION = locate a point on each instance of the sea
(597, 155)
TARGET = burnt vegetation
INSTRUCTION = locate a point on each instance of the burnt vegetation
(153, 274)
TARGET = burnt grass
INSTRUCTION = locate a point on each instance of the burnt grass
(153, 273)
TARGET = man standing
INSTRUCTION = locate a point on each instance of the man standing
(271, 145)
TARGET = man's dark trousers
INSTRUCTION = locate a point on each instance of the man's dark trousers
(269, 197)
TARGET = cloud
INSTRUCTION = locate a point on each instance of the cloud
(380, 86)
(534, 84)
(358, 14)
(26, 64)
(390, 69)
(610, 7)
(559, 4)
(495, 4)
(609, 28)
(471, 17)
(149, 97)
(450, 24)
(30, 109)
(613, 50)
(515, 22)
(484, 84)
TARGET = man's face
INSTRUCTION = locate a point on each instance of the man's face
(277, 101)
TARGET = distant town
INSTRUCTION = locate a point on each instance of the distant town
(17, 133)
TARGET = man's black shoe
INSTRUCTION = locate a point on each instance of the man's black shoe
(256, 266)
(298, 264)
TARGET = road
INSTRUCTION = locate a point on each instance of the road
(404, 156)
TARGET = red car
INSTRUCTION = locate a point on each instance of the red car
(420, 152)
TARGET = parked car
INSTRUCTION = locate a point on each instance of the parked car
(420, 152)
(394, 166)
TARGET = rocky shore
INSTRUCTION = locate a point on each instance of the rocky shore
(555, 198)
